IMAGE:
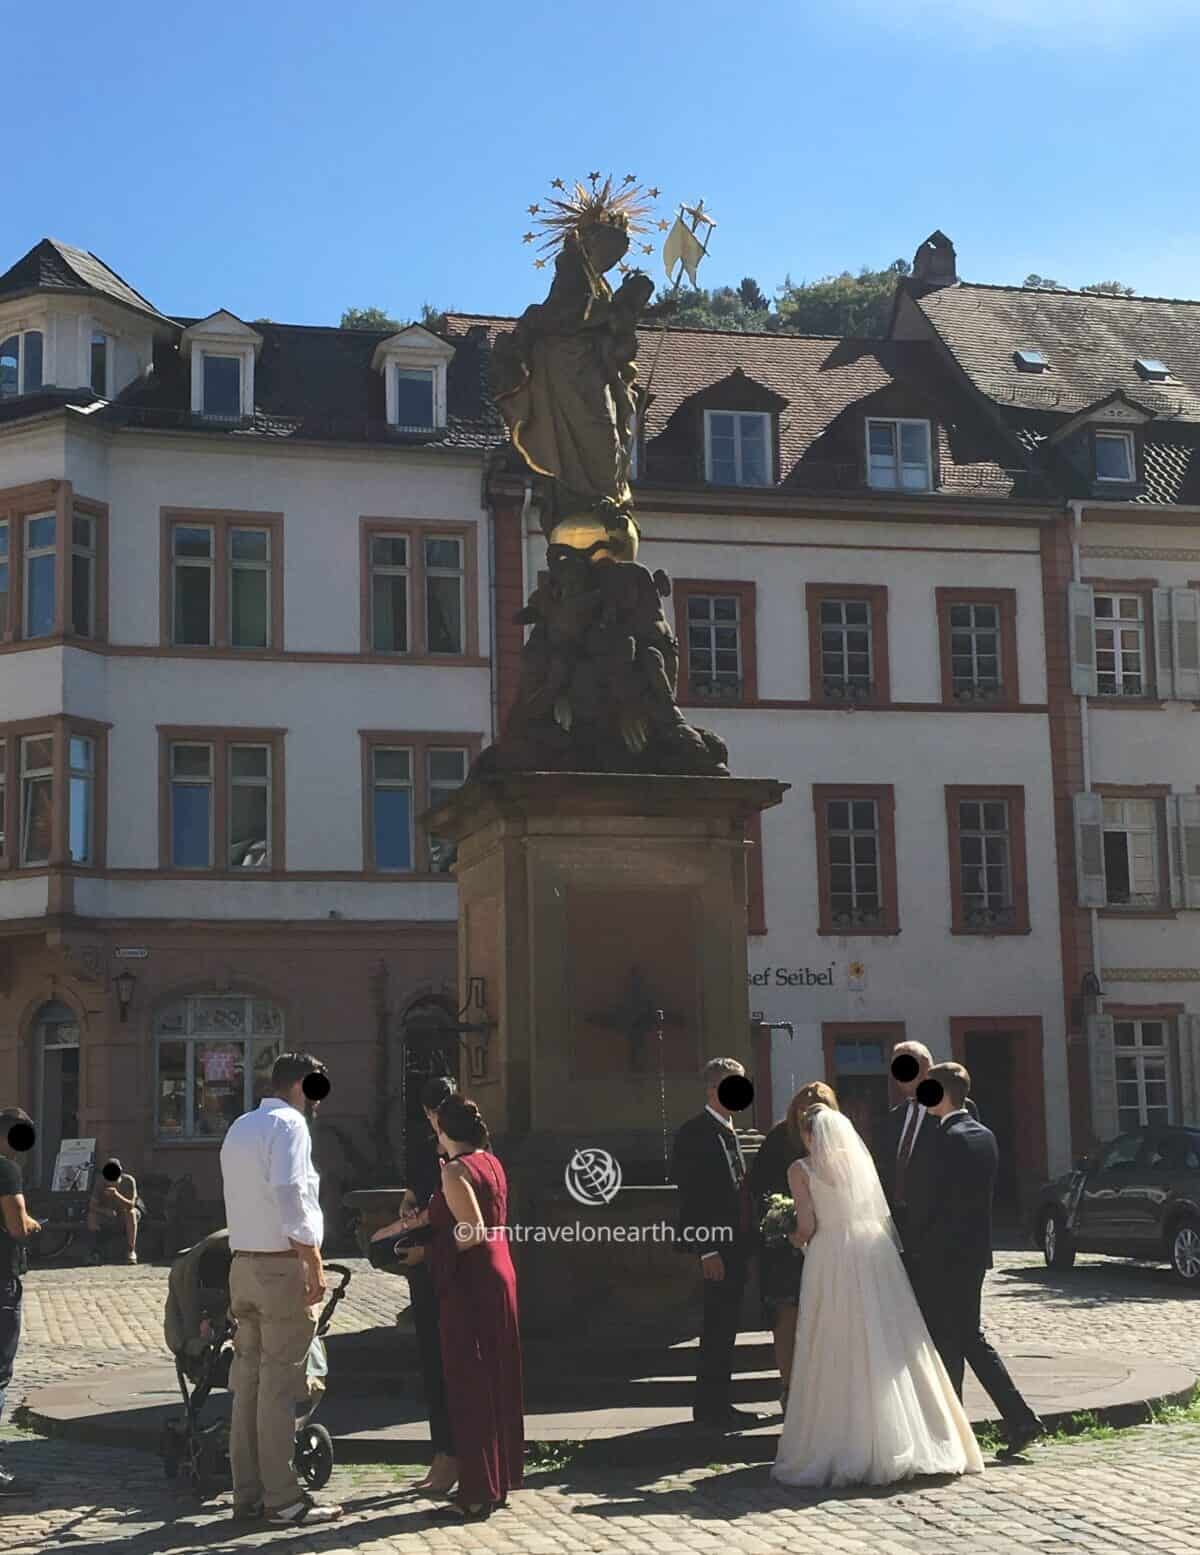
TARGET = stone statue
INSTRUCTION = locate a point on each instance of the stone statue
(599, 668)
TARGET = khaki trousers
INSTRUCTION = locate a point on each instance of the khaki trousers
(270, 1348)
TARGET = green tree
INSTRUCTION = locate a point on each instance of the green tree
(843, 304)
(1108, 289)
(724, 307)
(1043, 283)
(369, 318)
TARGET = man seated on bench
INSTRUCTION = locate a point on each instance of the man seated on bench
(113, 1208)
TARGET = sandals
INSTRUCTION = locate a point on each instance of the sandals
(454, 1513)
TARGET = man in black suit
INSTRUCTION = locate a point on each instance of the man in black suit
(907, 1139)
(716, 1227)
(948, 1245)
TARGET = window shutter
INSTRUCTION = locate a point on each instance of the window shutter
(1186, 850)
(1185, 624)
(1081, 607)
(1103, 1069)
(1189, 1062)
(1164, 658)
(1089, 850)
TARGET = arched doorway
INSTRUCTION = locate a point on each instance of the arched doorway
(428, 1047)
(56, 1061)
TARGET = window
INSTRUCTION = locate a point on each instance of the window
(988, 890)
(389, 593)
(715, 625)
(414, 398)
(1120, 645)
(392, 808)
(40, 570)
(249, 588)
(737, 447)
(192, 587)
(21, 364)
(37, 798)
(1132, 845)
(5, 584)
(83, 574)
(405, 775)
(1152, 369)
(1143, 1059)
(222, 800)
(1029, 361)
(898, 456)
(417, 589)
(1115, 456)
(847, 643)
(444, 588)
(99, 364)
(213, 1058)
(222, 387)
(52, 794)
(249, 807)
(856, 859)
(191, 806)
(224, 585)
(978, 637)
(446, 771)
(81, 799)
(714, 647)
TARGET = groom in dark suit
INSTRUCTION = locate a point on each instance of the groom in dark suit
(948, 1245)
(908, 1137)
(716, 1226)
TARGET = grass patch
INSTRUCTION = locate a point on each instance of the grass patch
(550, 1457)
(989, 1438)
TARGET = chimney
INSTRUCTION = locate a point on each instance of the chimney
(934, 262)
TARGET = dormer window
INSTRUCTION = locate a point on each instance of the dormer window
(737, 447)
(414, 398)
(898, 455)
(99, 364)
(1029, 361)
(1115, 457)
(223, 352)
(414, 364)
(1152, 370)
(20, 364)
(222, 387)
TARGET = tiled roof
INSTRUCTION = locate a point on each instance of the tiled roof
(827, 384)
(317, 382)
(51, 266)
(1090, 342)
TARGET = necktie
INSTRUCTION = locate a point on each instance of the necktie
(904, 1154)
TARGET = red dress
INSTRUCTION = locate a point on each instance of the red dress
(481, 1342)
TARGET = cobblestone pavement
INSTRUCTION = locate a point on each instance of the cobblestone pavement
(1139, 1493)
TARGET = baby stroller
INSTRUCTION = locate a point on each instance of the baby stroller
(199, 1333)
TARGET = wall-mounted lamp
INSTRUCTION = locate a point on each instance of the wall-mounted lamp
(124, 983)
(1085, 1001)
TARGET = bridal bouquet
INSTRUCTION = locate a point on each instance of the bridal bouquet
(779, 1221)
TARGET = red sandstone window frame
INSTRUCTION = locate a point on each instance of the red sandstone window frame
(18, 504)
(220, 521)
(220, 738)
(1012, 796)
(419, 743)
(884, 795)
(1006, 602)
(685, 589)
(60, 729)
(876, 596)
(415, 532)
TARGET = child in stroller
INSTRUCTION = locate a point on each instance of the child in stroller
(199, 1333)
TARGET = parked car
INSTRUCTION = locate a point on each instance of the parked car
(1138, 1197)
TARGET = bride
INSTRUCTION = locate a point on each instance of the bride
(870, 1401)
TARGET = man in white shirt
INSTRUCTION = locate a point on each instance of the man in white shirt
(276, 1284)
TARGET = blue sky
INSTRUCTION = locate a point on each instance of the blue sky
(290, 160)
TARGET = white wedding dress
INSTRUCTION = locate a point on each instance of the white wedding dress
(870, 1401)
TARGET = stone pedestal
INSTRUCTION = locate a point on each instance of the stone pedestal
(586, 903)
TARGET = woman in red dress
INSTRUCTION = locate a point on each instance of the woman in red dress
(477, 1314)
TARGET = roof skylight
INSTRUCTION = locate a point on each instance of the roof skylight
(1151, 368)
(1030, 361)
